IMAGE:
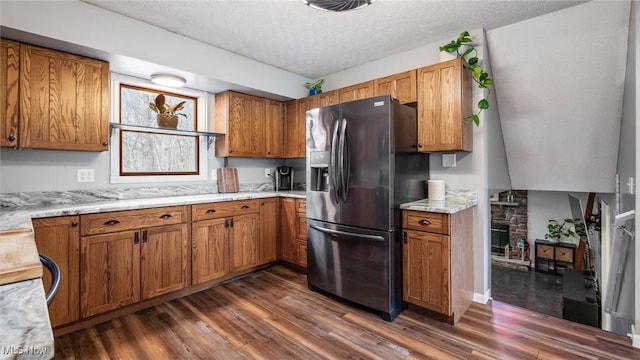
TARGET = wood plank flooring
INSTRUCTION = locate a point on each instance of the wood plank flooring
(272, 315)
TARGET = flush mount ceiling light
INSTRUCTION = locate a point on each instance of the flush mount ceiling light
(337, 5)
(168, 80)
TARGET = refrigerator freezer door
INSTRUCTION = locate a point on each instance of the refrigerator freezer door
(355, 264)
(367, 163)
(322, 139)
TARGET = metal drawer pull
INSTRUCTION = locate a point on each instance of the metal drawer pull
(112, 222)
(211, 211)
(424, 222)
(244, 207)
(166, 216)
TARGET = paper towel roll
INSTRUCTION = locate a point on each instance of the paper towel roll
(435, 189)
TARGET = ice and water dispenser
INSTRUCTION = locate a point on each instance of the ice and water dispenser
(319, 168)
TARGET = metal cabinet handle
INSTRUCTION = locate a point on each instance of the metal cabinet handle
(419, 145)
(105, 144)
(136, 238)
(74, 224)
(166, 216)
(424, 222)
(262, 204)
(112, 222)
(144, 236)
(226, 223)
(11, 137)
(244, 207)
(231, 222)
(211, 211)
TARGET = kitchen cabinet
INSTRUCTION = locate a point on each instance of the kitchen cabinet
(437, 261)
(288, 244)
(132, 255)
(268, 230)
(274, 132)
(64, 101)
(300, 138)
(290, 132)
(9, 91)
(241, 118)
(328, 98)
(444, 99)
(225, 239)
(301, 233)
(59, 239)
(402, 86)
(356, 92)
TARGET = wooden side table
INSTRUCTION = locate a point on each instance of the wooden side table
(554, 257)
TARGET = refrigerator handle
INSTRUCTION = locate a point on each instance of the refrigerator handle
(333, 159)
(332, 232)
(344, 161)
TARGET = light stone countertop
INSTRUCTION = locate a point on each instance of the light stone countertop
(455, 201)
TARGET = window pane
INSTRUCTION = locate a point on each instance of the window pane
(158, 154)
(134, 107)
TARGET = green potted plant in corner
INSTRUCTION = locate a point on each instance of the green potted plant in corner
(470, 60)
(167, 114)
(314, 87)
(556, 231)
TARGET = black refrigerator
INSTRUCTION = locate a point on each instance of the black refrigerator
(361, 164)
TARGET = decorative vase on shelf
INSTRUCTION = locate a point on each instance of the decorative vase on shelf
(168, 121)
(314, 92)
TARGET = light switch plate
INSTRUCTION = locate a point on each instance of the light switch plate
(448, 160)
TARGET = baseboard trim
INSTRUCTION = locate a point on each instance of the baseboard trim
(482, 298)
(636, 340)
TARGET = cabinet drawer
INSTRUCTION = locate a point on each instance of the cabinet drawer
(223, 209)
(426, 221)
(301, 231)
(109, 222)
(301, 206)
(564, 254)
(544, 251)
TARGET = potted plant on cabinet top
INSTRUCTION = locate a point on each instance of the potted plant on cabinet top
(167, 114)
(555, 230)
(314, 87)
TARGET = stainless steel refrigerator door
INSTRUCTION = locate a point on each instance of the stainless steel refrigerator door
(355, 264)
(322, 186)
(366, 163)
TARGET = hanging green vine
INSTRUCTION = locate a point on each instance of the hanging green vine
(470, 59)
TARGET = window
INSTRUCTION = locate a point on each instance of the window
(143, 155)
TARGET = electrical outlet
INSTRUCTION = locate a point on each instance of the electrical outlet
(86, 175)
(267, 172)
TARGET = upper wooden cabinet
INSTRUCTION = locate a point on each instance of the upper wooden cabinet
(444, 99)
(356, 92)
(401, 86)
(295, 126)
(274, 134)
(328, 98)
(241, 118)
(9, 90)
(64, 101)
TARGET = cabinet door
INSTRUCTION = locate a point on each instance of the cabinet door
(209, 250)
(109, 272)
(288, 230)
(59, 239)
(426, 270)
(245, 132)
(328, 98)
(356, 92)
(164, 262)
(300, 135)
(274, 143)
(64, 101)
(243, 241)
(401, 86)
(268, 230)
(9, 90)
(444, 99)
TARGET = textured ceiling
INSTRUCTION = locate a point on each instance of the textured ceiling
(292, 36)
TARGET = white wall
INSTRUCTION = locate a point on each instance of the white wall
(545, 205)
(636, 29)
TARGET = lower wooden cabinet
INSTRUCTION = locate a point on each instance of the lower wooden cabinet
(210, 250)
(268, 230)
(438, 261)
(293, 231)
(243, 249)
(59, 239)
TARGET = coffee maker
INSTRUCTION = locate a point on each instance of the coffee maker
(284, 178)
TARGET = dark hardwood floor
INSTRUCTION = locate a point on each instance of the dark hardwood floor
(272, 315)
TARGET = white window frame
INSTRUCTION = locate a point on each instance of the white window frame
(116, 178)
